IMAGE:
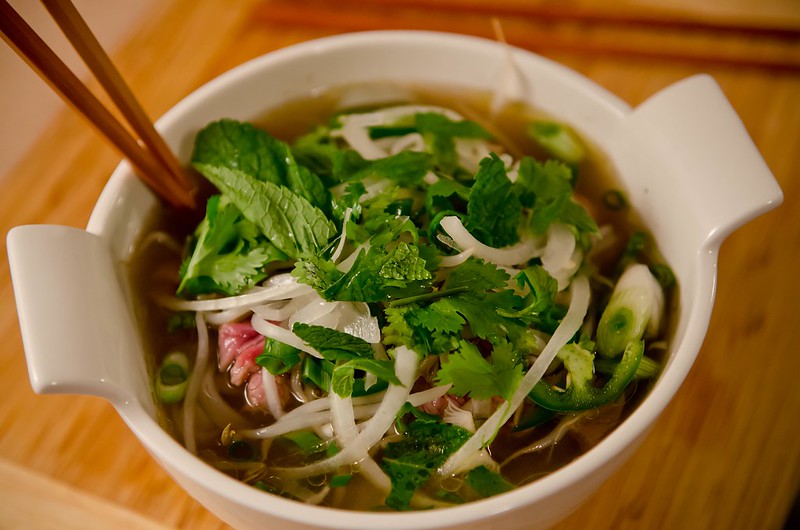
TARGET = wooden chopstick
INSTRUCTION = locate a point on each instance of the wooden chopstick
(155, 164)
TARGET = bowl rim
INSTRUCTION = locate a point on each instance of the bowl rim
(629, 432)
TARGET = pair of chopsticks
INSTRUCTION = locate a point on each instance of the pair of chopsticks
(151, 157)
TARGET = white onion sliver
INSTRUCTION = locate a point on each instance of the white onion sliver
(519, 253)
(572, 321)
(255, 296)
(406, 363)
(345, 430)
(343, 237)
(559, 247)
(458, 259)
(268, 329)
(271, 394)
(229, 315)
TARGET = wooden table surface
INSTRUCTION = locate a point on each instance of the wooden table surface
(726, 452)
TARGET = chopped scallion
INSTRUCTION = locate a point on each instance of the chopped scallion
(172, 378)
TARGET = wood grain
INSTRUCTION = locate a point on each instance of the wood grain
(724, 455)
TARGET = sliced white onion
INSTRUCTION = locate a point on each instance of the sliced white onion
(344, 427)
(279, 287)
(268, 329)
(355, 127)
(572, 321)
(229, 315)
(521, 252)
(561, 257)
(271, 394)
(347, 263)
(314, 310)
(458, 259)
(343, 237)
(408, 142)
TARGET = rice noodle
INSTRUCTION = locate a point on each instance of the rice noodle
(406, 362)
(578, 306)
(278, 287)
(195, 381)
(215, 406)
(522, 252)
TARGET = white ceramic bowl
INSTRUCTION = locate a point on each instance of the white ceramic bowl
(683, 156)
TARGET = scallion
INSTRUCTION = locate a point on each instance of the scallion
(172, 378)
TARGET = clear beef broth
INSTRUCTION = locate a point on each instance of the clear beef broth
(154, 269)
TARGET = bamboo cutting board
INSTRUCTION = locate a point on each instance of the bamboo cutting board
(726, 453)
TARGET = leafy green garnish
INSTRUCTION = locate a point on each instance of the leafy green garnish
(411, 461)
(547, 189)
(349, 353)
(229, 252)
(375, 273)
(470, 373)
(278, 357)
(440, 132)
(494, 209)
(487, 483)
(289, 221)
(243, 147)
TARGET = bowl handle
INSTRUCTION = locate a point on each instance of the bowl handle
(76, 327)
(714, 160)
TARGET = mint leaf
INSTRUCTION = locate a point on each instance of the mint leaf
(349, 353)
(494, 209)
(373, 275)
(243, 147)
(411, 461)
(289, 221)
(487, 483)
(333, 344)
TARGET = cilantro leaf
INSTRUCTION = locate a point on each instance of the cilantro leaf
(477, 275)
(547, 189)
(494, 209)
(411, 461)
(228, 253)
(470, 373)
